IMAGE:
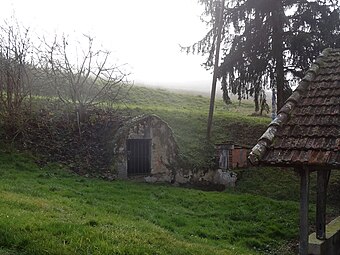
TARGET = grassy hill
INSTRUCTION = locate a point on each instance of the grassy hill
(51, 211)
(48, 210)
(187, 115)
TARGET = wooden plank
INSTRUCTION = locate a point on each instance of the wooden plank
(322, 182)
(304, 202)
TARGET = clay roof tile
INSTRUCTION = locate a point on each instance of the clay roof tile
(307, 128)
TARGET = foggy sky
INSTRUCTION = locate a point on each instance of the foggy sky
(145, 34)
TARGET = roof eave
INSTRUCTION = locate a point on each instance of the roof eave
(260, 149)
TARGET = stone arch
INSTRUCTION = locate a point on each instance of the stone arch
(163, 147)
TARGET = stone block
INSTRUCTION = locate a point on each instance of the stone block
(330, 246)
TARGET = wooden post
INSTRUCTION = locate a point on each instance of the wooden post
(214, 81)
(322, 182)
(304, 201)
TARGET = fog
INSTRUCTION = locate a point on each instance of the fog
(144, 34)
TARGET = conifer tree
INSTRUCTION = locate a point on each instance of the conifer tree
(268, 43)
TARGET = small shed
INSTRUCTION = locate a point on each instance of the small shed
(145, 147)
(231, 155)
(306, 136)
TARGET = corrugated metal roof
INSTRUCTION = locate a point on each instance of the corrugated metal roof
(307, 128)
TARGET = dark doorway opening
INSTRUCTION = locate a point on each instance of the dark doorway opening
(138, 157)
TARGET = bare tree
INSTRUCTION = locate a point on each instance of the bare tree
(16, 61)
(81, 77)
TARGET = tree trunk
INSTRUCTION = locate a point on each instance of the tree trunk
(226, 97)
(81, 112)
(256, 100)
(217, 56)
(278, 16)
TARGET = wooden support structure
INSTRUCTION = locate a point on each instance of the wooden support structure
(304, 205)
(312, 155)
(322, 183)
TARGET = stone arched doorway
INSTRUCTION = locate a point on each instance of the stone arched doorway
(145, 146)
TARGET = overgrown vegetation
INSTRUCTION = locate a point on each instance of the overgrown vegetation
(78, 77)
(16, 79)
(49, 210)
(52, 130)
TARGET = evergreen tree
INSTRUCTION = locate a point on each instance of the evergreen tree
(268, 43)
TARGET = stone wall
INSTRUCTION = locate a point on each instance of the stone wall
(330, 246)
(209, 178)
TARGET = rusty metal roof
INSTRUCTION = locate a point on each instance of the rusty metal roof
(307, 128)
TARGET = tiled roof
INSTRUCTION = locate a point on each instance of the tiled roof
(307, 128)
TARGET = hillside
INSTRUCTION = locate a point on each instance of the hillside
(51, 129)
(187, 115)
(51, 211)
(47, 209)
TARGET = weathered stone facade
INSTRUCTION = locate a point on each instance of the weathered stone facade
(162, 156)
(212, 177)
(163, 151)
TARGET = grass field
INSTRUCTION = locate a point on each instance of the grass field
(50, 211)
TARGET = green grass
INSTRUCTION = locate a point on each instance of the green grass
(161, 100)
(187, 115)
(50, 211)
(4, 251)
(284, 184)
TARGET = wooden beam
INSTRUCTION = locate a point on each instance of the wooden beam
(322, 183)
(304, 205)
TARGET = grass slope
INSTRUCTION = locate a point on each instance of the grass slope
(187, 115)
(49, 211)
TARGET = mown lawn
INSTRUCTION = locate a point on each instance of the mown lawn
(50, 211)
